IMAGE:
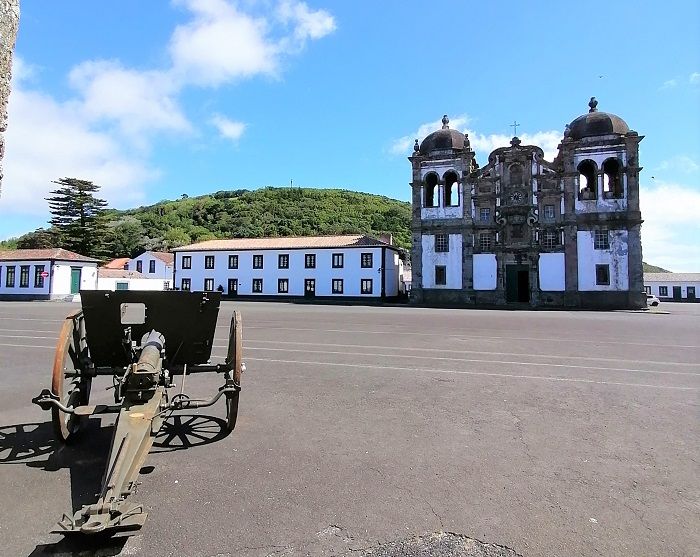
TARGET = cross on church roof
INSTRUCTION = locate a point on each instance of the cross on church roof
(515, 125)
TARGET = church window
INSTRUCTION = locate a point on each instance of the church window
(451, 189)
(663, 290)
(442, 243)
(602, 274)
(485, 241)
(516, 175)
(440, 275)
(550, 239)
(430, 186)
(549, 212)
(612, 179)
(587, 180)
(601, 239)
(485, 214)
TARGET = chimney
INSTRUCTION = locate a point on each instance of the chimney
(387, 238)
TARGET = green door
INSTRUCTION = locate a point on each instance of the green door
(74, 280)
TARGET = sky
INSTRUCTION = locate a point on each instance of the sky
(153, 100)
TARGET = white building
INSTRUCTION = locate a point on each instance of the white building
(673, 287)
(119, 279)
(153, 265)
(45, 274)
(349, 266)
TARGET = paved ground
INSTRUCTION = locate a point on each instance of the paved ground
(361, 428)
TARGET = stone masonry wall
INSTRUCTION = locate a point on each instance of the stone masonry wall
(9, 21)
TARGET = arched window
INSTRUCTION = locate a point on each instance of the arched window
(587, 180)
(451, 189)
(516, 175)
(612, 178)
(429, 186)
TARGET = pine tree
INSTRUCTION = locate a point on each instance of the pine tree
(78, 216)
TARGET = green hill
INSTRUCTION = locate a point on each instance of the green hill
(653, 268)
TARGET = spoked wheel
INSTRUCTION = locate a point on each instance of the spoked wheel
(69, 380)
(234, 358)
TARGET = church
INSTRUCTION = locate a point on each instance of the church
(525, 232)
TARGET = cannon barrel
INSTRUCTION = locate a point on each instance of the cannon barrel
(151, 351)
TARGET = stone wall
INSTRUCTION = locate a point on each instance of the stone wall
(9, 20)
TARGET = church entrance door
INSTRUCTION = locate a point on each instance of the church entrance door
(517, 284)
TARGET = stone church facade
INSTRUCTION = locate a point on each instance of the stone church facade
(525, 232)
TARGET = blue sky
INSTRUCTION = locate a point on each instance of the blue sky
(155, 99)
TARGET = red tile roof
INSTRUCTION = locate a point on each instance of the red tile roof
(165, 256)
(287, 242)
(104, 272)
(116, 263)
(53, 254)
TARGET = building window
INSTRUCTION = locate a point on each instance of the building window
(186, 261)
(310, 261)
(283, 261)
(647, 289)
(10, 277)
(451, 189)
(233, 262)
(602, 274)
(442, 243)
(139, 266)
(337, 260)
(366, 260)
(549, 212)
(122, 286)
(337, 286)
(429, 187)
(257, 262)
(366, 286)
(152, 266)
(440, 275)
(587, 180)
(485, 241)
(612, 178)
(186, 284)
(257, 286)
(283, 286)
(690, 292)
(208, 261)
(208, 284)
(38, 278)
(550, 239)
(485, 214)
(663, 290)
(601, 239)
(24, 276)
(166, 285)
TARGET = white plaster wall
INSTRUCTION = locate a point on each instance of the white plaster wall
(452, 260)
(31, 289)
(110, 283)
(552, 272)
(670, 284)
(615, 257)
(485, 271)
(393, 267)
(163, 271)
(351, 273)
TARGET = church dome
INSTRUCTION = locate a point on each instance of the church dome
(442, 139)
(596, 123)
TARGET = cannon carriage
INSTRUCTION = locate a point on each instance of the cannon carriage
(143, 340)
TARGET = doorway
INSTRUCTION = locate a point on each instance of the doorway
(677, 293)
(233, 287)
(74, 280)
(517, 284)
(691, 293)
(309, 288)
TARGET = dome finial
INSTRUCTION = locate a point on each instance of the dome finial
(593, 104)
(445, 121)
(416, 147)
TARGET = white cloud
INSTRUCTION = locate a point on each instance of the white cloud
(681, 163)
(481, 143)
(308, 24)
(669, 84)
(671, 229)
(228, 129)
(694, 78)
(47, 140)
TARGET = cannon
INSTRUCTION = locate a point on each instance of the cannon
(143, 340)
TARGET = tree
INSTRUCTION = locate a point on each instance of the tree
(125, 237)
(38, 239)
(78, 216)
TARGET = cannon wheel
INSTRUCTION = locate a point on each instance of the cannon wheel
(69, 380)
(234, 358)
